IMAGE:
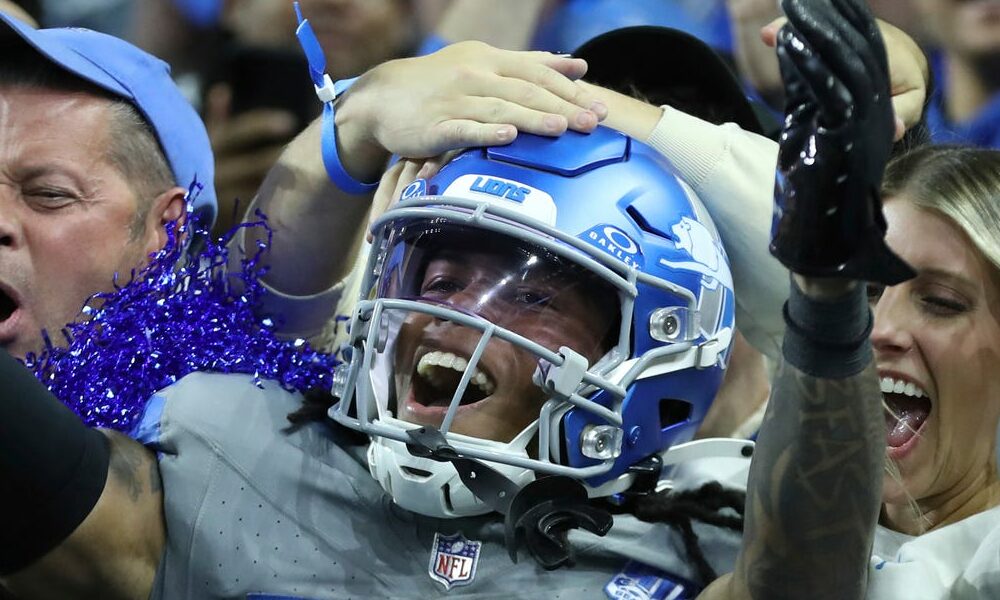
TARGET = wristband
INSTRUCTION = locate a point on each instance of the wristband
(328, 91)
(828, 338)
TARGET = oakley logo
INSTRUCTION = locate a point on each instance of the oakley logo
(615, 242)
(500, 188)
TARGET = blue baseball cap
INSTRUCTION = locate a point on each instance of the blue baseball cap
(144, 80)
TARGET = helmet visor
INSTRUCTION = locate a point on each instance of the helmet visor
(462, 285)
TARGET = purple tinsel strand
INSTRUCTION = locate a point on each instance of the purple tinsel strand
(180, 314)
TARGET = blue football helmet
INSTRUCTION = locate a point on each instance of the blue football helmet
(554, 306)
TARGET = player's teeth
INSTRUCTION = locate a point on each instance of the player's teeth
(910, 389)
(898, 387)
(885, 383)
(446, 360)
(483, 382)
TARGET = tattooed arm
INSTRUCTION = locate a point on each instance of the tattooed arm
(115, 552)
(815, 485)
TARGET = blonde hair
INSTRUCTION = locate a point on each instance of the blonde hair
(959, 183)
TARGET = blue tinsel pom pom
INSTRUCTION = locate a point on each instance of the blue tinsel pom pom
(182, 313)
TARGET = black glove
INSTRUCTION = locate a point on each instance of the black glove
(835, 143)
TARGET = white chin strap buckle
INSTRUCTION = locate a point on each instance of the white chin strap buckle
(564, 380)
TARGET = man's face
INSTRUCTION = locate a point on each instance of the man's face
(519, 294)
(65, 213)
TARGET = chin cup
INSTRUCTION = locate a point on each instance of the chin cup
(543, 512)
(539, 515)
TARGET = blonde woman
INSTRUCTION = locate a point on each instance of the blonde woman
(848, 499)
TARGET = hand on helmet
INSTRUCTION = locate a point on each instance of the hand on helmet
(835, 143)
(469, 94)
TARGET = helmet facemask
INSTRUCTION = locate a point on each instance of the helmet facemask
(545, 320)
(464, 323)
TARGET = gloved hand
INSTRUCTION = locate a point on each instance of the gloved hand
(835, 143)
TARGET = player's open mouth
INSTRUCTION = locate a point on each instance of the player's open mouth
(907, 409)
(437, 377)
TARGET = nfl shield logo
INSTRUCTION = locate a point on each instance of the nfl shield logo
(454, 560)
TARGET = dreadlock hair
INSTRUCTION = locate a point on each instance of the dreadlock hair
(677, 509)
(315, 404)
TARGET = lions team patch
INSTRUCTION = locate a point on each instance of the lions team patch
(454, 560)
(638, 581)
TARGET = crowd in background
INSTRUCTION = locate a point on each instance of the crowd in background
(239, 62)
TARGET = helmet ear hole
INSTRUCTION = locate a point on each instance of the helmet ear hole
(446, 492)
(674, 412)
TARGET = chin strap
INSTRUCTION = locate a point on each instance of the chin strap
(540, 514)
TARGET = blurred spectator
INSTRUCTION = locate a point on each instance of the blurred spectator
(257, 95)
(573, 22)
(757, 62)
(966, 34)
(359, 34)
(460, 20)
(188, 38)
(200, 13)
(107, 16)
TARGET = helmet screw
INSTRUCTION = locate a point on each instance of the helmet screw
(601, 442)
(670, 326)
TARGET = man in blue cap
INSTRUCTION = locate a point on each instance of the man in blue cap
(99, 151)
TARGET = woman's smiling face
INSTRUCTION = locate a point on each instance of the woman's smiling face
(937, 349)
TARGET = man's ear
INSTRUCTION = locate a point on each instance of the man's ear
(168, 207)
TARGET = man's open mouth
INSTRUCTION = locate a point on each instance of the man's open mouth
(7, 306)
(907, 407)
(438, 375)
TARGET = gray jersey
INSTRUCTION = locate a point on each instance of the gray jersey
(255, 510)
